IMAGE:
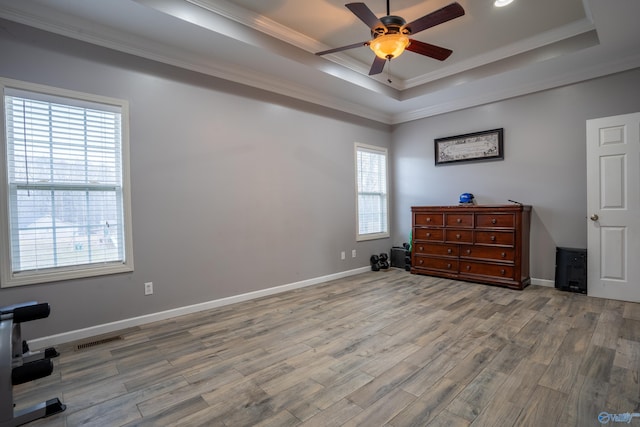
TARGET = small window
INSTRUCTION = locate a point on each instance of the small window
(371, 186)
(67, 211)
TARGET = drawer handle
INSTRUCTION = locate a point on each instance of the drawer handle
(493, 238)
(459, 220)
(503, 255)
(421, 248)
(494, 221)
(449, 251)
(428, 234)
(457, 236)
(429, 219)
(449, 266)
(421, 261)
(502, 271)
(468, 251)
(468, 267)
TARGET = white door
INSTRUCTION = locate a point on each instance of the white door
(613, 207)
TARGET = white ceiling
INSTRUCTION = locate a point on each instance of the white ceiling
(498, 53)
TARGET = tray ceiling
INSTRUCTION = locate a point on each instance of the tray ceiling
(270, 44)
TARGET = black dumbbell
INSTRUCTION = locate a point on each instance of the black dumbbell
(384, 257)
(375, 262)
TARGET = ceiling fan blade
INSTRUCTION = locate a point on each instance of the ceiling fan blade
(430, 50)
(447, 13)
(377, 66)
(365, 14)
(339, 49)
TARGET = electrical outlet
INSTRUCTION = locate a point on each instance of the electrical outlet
(148, 288)
(342, 255)
(353, 253)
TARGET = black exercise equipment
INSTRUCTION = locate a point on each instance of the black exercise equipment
(384, 261)
(400, 257)
(379, 262)
(19, 365)
(375, 262)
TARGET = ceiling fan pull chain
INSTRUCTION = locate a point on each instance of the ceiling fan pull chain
(389, 71)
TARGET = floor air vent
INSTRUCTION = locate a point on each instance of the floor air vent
(97, 342)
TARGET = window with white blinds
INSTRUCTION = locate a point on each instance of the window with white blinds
(67, 210)
(371, 186)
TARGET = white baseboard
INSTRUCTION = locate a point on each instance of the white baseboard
(106, 328)
(543, 282)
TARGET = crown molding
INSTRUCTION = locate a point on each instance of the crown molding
(283, 33)
(274, 29)
(524, 87)
(532, 43)
(161, 53)
(259, 23)
(437, 98)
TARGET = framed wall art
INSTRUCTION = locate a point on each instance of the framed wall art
(485, 145)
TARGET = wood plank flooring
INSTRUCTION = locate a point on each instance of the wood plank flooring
(378, 349)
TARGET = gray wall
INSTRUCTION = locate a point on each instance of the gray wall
(544, 164)
(233, 189)
(236, 189)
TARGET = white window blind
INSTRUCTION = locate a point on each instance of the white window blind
(65, 187)
(372, 199)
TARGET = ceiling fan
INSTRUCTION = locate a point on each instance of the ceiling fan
(391, 34)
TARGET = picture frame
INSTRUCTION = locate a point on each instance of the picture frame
(477, 146)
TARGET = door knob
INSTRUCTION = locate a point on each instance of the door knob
(594, 217)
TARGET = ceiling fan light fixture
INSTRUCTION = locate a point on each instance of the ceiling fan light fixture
(391, 33)
(501, 3)
(389, 46)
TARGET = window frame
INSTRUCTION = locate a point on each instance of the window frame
(9, 278)
(385, 152)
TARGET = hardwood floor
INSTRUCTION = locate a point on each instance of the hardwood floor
(377, 349)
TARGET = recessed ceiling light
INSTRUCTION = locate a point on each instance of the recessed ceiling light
(500, 3)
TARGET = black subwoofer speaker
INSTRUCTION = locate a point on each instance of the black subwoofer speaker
(571, 270)
(398, 257)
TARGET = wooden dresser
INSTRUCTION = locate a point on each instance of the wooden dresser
(477, 243)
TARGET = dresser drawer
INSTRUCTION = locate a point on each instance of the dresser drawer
(436, 249)
(498, 238)
(442, 264)
(459, 220)
(490, 253)
(495, 220)
(429, 219)
(429, 234)
(458, 236)
(481, 269)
